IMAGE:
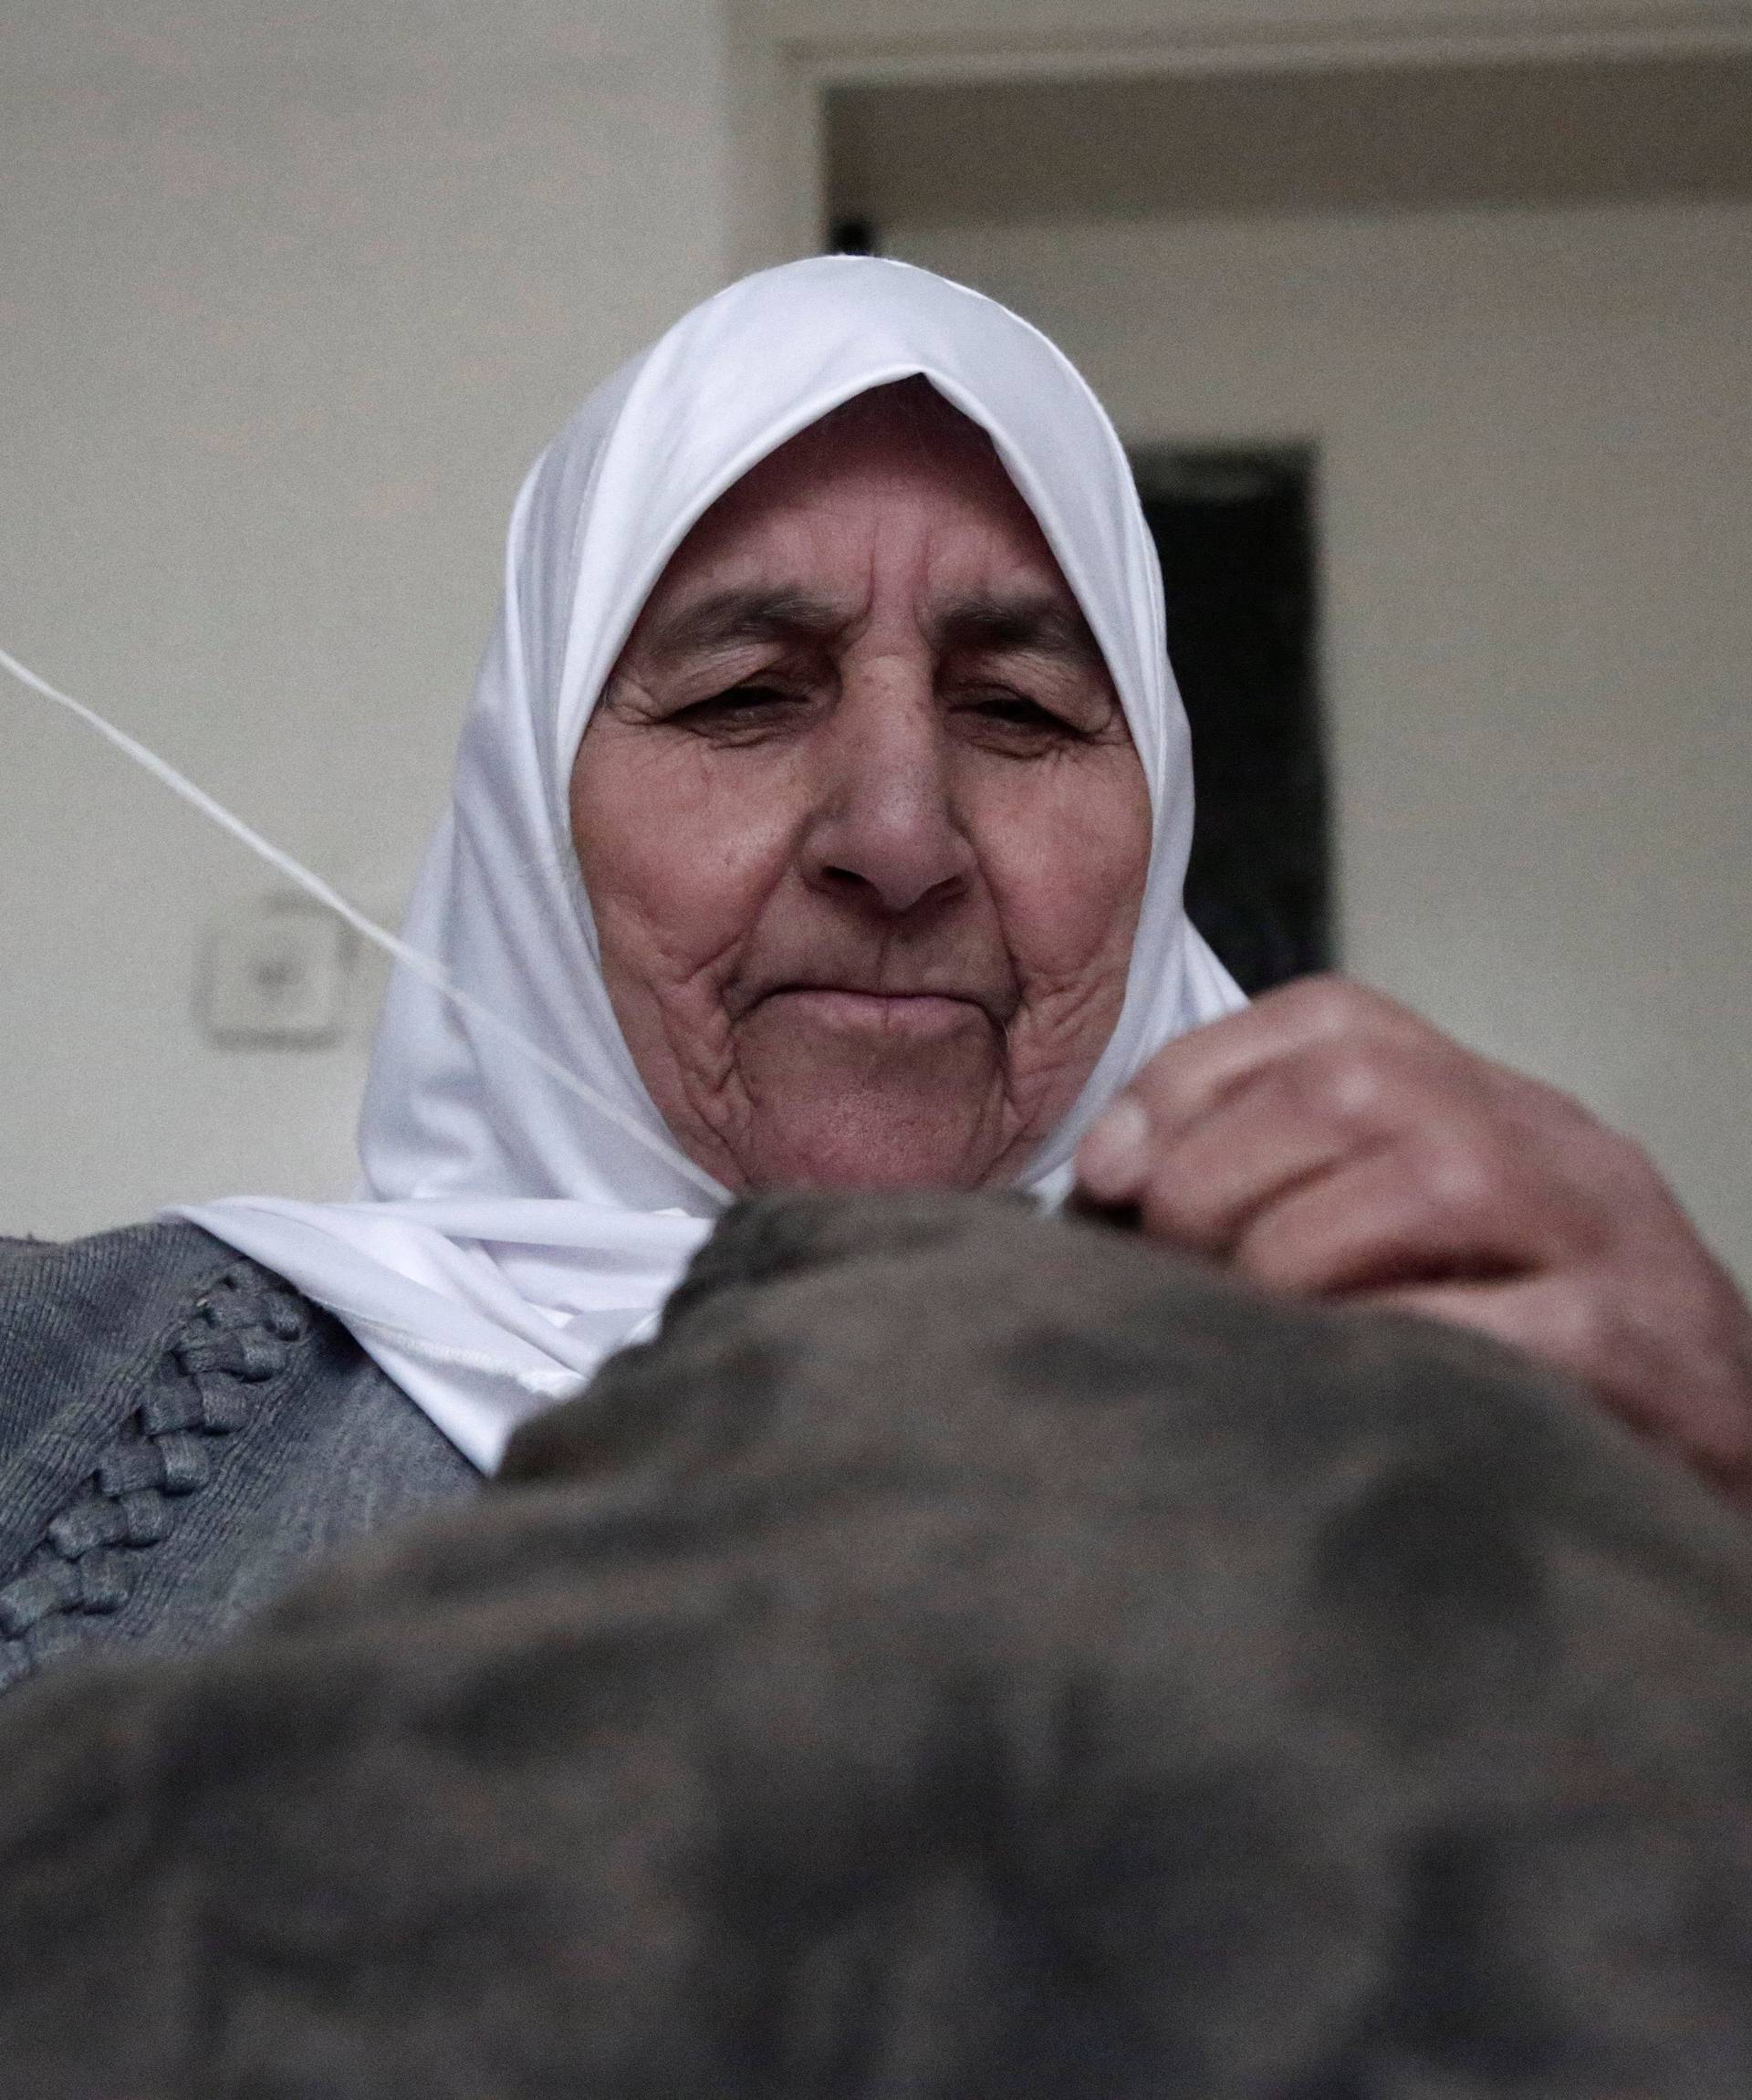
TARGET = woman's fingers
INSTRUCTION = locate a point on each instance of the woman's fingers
(1321, 1041)
(1295, 1123)
(1420, 1209)
(1224, 1125)
(1113, 1161)
(1328, 1142)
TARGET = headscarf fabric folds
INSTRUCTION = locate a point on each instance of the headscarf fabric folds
(504, 1236)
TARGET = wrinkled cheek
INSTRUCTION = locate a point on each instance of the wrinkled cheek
(667, 951)
(1072, 967)
(680, 898)
(1070, 925)
(1054, 1043)
(1066, 856)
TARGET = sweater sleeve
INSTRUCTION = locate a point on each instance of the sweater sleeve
(180, 1432)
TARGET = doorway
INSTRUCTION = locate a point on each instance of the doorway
(1236, 531)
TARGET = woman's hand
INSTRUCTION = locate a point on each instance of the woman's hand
(1329, 1142)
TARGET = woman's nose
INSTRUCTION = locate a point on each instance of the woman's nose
(884, 827)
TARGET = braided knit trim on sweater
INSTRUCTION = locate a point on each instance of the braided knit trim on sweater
(205, 1387)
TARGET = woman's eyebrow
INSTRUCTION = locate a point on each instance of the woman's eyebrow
(1032, 622)
(778, 614)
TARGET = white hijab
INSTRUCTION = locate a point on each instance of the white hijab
(506, 1237)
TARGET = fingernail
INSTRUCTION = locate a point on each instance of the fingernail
(1112, 1160)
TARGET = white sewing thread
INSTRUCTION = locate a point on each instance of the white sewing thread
(313, 885)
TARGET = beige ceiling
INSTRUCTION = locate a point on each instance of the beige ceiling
(1384, 138)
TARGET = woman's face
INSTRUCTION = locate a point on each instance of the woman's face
(861, 819)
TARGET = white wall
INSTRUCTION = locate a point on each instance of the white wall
(289, 298)
(1535, 432)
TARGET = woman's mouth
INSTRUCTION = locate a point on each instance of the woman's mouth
(911, 1017)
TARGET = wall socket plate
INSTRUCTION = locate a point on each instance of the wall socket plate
(273, 976)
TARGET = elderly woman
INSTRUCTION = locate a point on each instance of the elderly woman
(819, 822)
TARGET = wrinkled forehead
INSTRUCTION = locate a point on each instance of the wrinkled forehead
(896, 480)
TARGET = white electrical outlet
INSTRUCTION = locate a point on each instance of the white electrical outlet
(275, 976)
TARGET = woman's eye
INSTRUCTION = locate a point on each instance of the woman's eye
(739, 708)
(1020, 716)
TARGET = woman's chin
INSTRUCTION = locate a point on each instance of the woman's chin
(868, 1103)
(875, 1139)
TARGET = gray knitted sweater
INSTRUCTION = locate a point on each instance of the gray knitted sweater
(181, 1435)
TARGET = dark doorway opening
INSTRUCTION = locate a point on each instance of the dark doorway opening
(1236, 532)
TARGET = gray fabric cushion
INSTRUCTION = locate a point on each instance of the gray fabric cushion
(962, 1659)
(180, 1434)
